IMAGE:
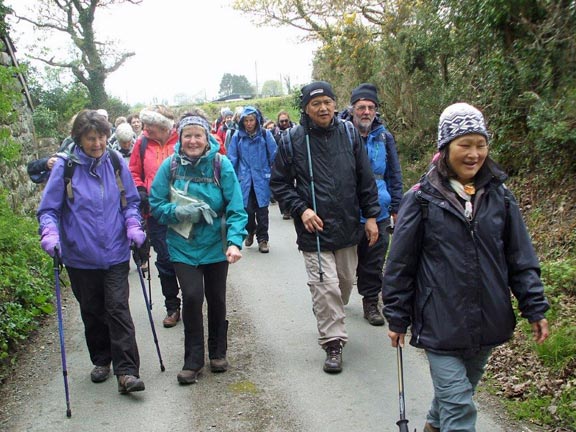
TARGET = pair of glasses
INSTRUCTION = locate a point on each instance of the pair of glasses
(362, 108)
(283, 121)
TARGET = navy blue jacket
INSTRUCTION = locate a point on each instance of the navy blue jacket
(450, 278)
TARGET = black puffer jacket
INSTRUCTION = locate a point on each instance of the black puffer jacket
(343, 184)
(450, 278)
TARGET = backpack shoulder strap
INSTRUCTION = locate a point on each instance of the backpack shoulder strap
(217, 167)
(423, 202)
(143, 145)
(117, 165)
(69, 167)
(173, 168)
(350, 129)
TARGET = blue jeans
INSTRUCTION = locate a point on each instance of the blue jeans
(455, 379)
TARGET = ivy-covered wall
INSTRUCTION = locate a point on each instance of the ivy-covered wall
(18, 144)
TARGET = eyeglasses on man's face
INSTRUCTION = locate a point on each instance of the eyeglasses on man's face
(362, 108)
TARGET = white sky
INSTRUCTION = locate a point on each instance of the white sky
(186, 46)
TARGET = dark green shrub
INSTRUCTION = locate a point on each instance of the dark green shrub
(25, 278)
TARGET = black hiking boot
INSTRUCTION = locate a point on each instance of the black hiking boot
(371, 311)
(333, 362)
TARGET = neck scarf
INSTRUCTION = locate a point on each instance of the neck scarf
(465, 192)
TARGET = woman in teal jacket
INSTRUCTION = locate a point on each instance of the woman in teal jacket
(196, 193)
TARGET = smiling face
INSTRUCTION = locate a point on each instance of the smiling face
(136, 125)
(193, 141)
(93, 143)
(466, 156)
(321, 110)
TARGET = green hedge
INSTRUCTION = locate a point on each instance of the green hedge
(26, 282)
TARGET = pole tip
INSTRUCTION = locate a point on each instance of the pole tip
(68, 413)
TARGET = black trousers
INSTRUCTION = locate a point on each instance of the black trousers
(108, 327)
(157, 233)
(208, 281)
(257, 218)
(371, 262)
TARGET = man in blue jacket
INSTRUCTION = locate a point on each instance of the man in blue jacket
(384, 161)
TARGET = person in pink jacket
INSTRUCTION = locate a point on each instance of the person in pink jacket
(154, 145)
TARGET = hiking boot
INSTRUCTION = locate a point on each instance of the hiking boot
(371, 311)
(429, 428)
(188, 376)
(100, 374)
(249, 240)
(286, 215)
(263, 247)
(333, 362)
(171, 319)
(129, 384)
(218, 365)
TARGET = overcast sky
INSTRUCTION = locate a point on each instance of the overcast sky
(185, 46)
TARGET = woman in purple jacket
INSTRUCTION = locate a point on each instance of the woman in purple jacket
(90, 225)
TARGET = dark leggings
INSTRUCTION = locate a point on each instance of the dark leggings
(108, 326)
(208, 281)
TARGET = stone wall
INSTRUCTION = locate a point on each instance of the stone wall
(23, 195)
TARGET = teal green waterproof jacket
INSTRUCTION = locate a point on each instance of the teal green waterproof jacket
(206, 244)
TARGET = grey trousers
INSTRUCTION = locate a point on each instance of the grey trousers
(455, 379)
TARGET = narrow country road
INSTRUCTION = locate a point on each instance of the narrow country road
(275, 382)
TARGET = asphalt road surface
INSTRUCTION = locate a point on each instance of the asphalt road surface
(275, 382)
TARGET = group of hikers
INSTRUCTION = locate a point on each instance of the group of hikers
(198, 192)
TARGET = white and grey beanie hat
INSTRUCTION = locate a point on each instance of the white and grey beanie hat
(150, 116)
(460, 119)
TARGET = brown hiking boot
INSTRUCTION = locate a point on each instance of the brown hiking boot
(263, 247)
(333, 362)
(129, 384)
(249, 241)
(218, 365)
(371, 311)
(429, 428)
(171, 319)
(188, 376)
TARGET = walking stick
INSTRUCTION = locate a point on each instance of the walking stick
(148, 276)
(61, 328)
(403, 422)
(313, 192)
(138, 261)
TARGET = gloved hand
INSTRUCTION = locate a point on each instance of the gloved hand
(144, 205)
(192, 212)
(50, 239)
(134, 232)
(141, 254)
(208, 214)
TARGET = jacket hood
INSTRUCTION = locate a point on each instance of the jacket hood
(250, 110)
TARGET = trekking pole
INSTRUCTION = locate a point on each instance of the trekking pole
(313, 192)
(149, 277)
(61, 328)
(138, 261)
(403, 422)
